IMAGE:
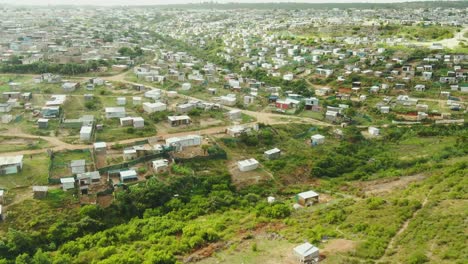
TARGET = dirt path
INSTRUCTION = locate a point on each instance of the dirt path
(405, 225)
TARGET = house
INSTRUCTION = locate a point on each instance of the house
(185, 141)
(185, 108)
(5, 107)
(307, 253)
(78, 166)
(317, 139)
(160, 165)
(420, 87)
(85, 133)
(88, 178)
(307, 198)
(138, 122)
(50, 111)
(40, 192)
(229, 100)
(310, 103)
(67, 183)
(6, 119)
(69, 87)
(272, 154)
(115, 112)
(100, 147)
(237, 130)
(179, 120)
(153, 94)
(373, 131)
(406, 100)
(287, 103)
(154, 107)
(128, 175)
(42, 123)
(234, 114)
(11, 164)
(129, 154)
(247, 165)
(186, 86)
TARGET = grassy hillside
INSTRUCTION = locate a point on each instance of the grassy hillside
(375, 205)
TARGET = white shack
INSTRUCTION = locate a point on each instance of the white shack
(67, 183)
(307, 253)
(85, 133)
(373, 131)
(128, 175)
(185, 141)
(115, 112)
(160, 165)
(248, 164)
(11, 164)
(317, 139)
(154, 107)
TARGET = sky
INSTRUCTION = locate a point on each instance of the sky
(163, 2)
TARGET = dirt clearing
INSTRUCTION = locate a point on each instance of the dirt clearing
(388, 185)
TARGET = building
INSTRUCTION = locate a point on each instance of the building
(307, 253)
(234, 114)
(179, 120)
(128, 175)
(160, 165)
(100, 147)
(67, 183)
(69, 87)
(78, 166)
(5, 107)
(154, 107)
(86, 132)
(115, 112)
(373, 131)
(11, 164)
(317, 139)
(138, 122)
(129, 154)
(247, 165)
(229, 100)
(185, 141)
(42, 123)
(272, 154)
(88, 177)
(40, 192)
(50, 111)
(307, 198)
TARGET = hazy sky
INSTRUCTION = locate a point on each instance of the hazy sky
(156, 2)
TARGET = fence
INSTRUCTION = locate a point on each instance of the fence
(133, 162)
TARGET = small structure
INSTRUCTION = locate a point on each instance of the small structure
(128, 175)
(160, 165)
(138, 122)
(307, 253)
(234, 114)
(179, 120)
(100, 147)
(186, 86)
(115, 112)
(271, 199)
(272, 153)
(67, 183)
(11, 164)
(70, 86)
(88, 177)
(373, 131)
(317, 140)
(129, 154)
(42, 123)
(40, 192)
(85, 133)
(154, 107)
(307, 198)
(185, 141)
(5, 107)
(247, 165)
(78, 166)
